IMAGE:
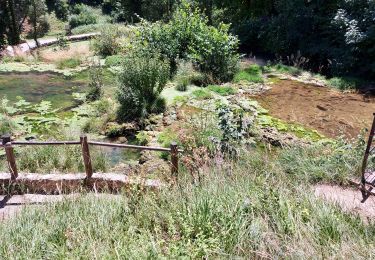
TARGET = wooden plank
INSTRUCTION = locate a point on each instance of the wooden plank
(174, 160)
(11, 159)
(22, 143)
(86, 157)
(136, 147)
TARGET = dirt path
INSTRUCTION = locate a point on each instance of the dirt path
(348, 199)
(328, 111)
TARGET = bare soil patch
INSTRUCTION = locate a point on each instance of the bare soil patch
(331, 112)
(348, 199)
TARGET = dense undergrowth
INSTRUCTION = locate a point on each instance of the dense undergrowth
(252, 208)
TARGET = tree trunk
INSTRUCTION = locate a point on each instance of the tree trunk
(14, 32)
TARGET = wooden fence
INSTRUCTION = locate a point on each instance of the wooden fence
(9, 145)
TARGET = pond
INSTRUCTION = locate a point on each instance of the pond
(35, 87)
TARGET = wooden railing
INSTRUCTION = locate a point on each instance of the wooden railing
(9, 145)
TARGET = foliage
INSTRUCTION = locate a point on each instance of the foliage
(107, 43)
(82, 15)
(222, 90)
(68, 63)
(201, 94)
(334, 162)
(256, 211)
(141, 80)
(65, 159)
(251, 74)
(142, 138)
(182, 84)
(343, 83)
(95, 86)
(89, 28)
(283, 69)
(235, 125)
(188, 36)
(27, 118)
(214, 52)
(114, 60)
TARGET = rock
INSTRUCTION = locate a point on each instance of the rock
(126, 129)
(280, 139)
(122, 140)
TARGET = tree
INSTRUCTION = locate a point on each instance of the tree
(37, 18)
(16, 12)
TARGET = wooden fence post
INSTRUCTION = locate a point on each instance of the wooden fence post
(174, 160)
(11, 159)
(86, 156)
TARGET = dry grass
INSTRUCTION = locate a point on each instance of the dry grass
(77, 49)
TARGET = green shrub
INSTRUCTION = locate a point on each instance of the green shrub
(95, 86)
(70, 63)
(83, 15)
(343, 83)
(107, 43)
(188, 36)
(201, 94)
(142, 138)
(222, 90)
(114, 60)
(141, 80)
(214, 52)
(251, 74)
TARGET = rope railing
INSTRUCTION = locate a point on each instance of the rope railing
(9, 146)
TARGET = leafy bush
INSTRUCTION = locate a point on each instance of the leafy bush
(107, 43)
(95, 87)
(188, 36)
(83, 15)
(142, 138)
(141, 80)
(251, 74)
(222, 90)
(214, 51)
(70, 63)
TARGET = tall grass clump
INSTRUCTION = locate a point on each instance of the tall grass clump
(332, 163)
(343, 83)
(142, 78)
(62, 159)
(255, 211)
(70, 63)
(251, 74)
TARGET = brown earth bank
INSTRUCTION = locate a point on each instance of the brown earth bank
(331, 112)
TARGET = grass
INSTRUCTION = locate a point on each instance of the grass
(283, 69)
(257, 210)
(70, 63)
(250, 74)
(201, 94)
(344, 83)
(49, 159)
(222, 90)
